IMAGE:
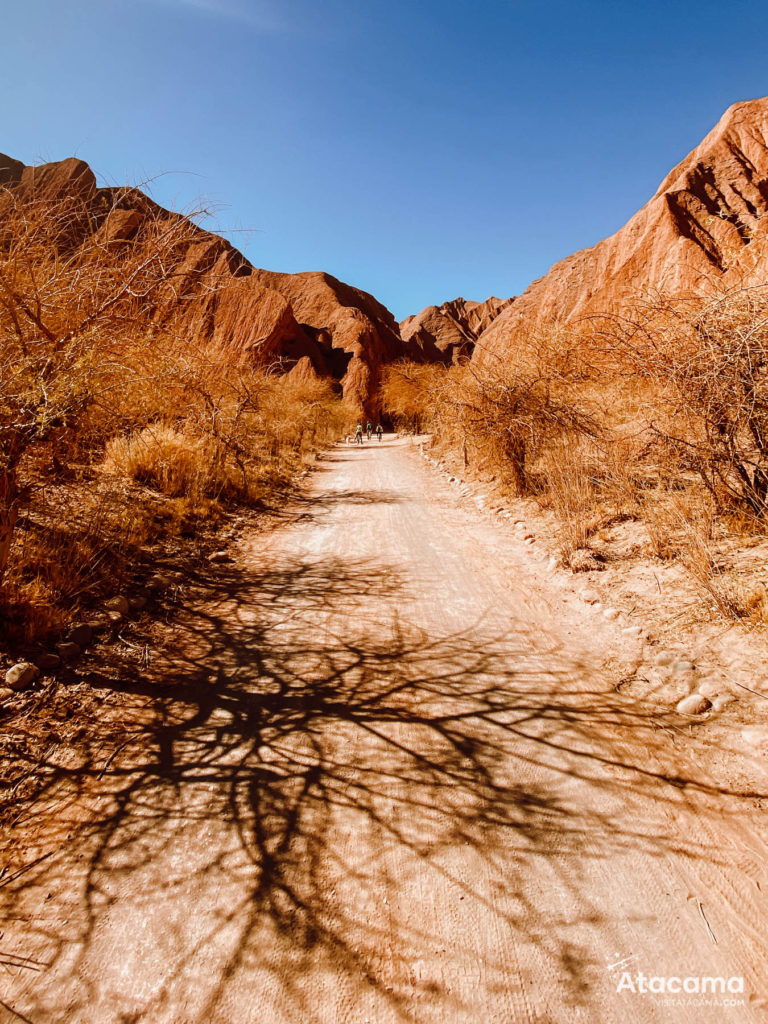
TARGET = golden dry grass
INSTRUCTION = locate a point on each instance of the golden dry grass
(177, 463)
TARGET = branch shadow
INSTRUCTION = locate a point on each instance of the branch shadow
(298, 801)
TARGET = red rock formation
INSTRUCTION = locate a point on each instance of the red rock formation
(310, 321)
(705, 225)
(448, 333)
(353, 333)
(303, 372)
(10, 170)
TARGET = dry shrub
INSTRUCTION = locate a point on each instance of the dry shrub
(691, 522)
(295, 417)
(729, 596)
(501, 414)
(706, 358)
(515, 411)
(242, 434)
(589, 483)
(74, 298)
(411, 395)
(238, 435)
(619, 463)
(571, 494)
(173, 461)
(673, 512)
(75, 543)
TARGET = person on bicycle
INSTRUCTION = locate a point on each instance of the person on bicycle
(369, 429)
(359, 434)
(379, 432)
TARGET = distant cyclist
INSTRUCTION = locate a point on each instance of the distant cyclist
(379, 432)
(359, 434)
(369, 429)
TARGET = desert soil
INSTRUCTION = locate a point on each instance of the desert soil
(390, 778)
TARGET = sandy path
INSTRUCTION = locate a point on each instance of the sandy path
(396, 784)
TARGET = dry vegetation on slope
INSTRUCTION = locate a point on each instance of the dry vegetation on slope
(655, 421)
(117, 427)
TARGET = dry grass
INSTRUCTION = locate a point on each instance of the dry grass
(571, 494)
(175, 462)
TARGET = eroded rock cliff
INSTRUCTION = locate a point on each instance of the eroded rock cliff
(308, 320)
(448, 333)
(704, 227)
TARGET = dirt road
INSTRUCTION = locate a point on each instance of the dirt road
(393, 782)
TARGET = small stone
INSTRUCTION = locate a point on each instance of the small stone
(158, 582)
(119, 603)
(610, 614)
(81, 634)
(632, 630)
(664, 658)
(22, 675)
(6, 692)
(695, 704)
(115, 617)
(47, 662)
(220, 556)
(68, 651)
(722, 701)
(137, 602)
(679, 668)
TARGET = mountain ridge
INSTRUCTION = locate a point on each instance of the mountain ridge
(333, 329)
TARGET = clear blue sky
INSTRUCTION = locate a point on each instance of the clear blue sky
(419, 150)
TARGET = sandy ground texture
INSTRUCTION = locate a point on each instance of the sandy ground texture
(394, 777)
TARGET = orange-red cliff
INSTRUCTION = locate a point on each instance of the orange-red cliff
(311, 319)
(705, 225)
(448, 333)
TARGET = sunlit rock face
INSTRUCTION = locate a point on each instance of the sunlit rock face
(447, 333)
(705, 227)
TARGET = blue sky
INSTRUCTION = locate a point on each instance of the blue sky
(419, 150)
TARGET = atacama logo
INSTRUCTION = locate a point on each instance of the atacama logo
(674, 985)
(691, 985)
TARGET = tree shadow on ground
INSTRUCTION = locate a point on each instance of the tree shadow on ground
(298, 795)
